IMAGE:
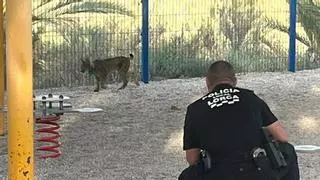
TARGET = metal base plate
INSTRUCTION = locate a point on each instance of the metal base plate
(55, 106)
(89, 110)
(307, 148)
(56, 110)
(68, 110)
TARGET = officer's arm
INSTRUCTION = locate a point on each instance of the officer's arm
(190, 140)
(271, 123)
(278, 132)
(193, 156)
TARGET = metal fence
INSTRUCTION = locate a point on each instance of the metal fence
(185, 36)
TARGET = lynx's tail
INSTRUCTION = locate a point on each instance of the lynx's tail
(131, 56)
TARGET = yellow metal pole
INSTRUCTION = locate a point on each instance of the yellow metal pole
(19, 81)
(2, 124)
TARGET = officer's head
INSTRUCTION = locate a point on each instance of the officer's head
(220, 72)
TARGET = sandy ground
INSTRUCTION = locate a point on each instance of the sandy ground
(139, 135)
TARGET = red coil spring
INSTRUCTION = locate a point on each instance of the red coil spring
(51, 127)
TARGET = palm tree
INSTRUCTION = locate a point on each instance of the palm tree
(239, 21)
(309, 18)
(57, 12)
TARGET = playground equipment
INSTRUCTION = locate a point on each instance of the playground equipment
(19, 89)
(20, 114)
(307, 148)
(48, 110)
(2, 70)
(52, 128)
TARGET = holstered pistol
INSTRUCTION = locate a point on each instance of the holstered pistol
(206, 160)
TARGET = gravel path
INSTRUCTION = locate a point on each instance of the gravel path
(139, 135)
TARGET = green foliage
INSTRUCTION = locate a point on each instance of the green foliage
(308, 18)
(184, 38)
(176, 59)
(238, 21)
(57, 16)
(63, 60)
(246, 61)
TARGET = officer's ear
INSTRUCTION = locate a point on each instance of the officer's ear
(235, 81)
(209, 85)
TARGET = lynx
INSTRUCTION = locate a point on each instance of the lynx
(100, 68)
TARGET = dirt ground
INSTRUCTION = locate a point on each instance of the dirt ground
(139, 134)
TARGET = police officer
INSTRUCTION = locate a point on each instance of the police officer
(222, 124)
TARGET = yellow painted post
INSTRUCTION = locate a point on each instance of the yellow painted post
(19, 88)
(2, 124)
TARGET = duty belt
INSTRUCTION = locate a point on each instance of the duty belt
(258, 156)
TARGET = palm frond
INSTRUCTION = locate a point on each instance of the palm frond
(274, 24)
(59, 21)
(309, 16)
(56, 8)
(46, 7)
(38, 3)
(94, 7)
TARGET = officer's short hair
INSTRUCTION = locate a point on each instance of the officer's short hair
(220, 70)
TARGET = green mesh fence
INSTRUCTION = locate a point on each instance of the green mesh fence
(185, 36)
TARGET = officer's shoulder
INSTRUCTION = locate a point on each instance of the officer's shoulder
(251, 95)
(244, 90)
(197, 103)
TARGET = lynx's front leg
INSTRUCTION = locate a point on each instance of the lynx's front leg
(98, 81)
(103, 82)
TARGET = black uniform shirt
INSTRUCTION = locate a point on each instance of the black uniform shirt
(222, 122)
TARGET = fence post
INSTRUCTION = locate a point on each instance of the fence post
(19, 88)
(145, 41)
(292, 33)
(2, 71)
